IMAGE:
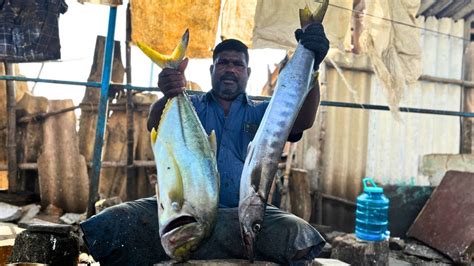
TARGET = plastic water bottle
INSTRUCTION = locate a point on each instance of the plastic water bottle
(372, 213)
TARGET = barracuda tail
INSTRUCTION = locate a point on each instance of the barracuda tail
(308, 17)
(167, 61)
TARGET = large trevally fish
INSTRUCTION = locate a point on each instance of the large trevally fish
(187, 186)
(263, 155)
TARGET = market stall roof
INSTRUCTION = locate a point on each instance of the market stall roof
(456, 9)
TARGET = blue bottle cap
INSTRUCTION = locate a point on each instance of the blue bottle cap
(373, 188)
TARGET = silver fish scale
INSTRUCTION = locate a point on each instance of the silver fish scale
(265, 150)
(290, 93)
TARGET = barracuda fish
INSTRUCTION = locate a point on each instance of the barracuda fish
(187, 188)
(264, 151)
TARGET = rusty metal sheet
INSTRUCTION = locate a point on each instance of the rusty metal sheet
(446, 221)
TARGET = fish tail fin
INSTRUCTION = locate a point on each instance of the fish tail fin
(167, 61)
(308, 17)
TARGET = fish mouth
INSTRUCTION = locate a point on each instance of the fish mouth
(177, 223)
(181, 237)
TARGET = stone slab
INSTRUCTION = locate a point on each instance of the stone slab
(9, 213)
(229, 262)
(37, 225)
(45, 248)
(328, 262)
(350, 249)
(435, 166)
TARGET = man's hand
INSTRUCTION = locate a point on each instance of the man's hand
(172, 81)
(314, 39)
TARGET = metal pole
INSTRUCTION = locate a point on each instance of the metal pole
(131, 177)
(101, 115)
(13, 184)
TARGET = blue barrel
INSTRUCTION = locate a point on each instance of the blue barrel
(372, 213)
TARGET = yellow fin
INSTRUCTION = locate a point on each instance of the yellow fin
(153, 134)
(308, 17)
(305, 16)
(177, 193)
(213, 141)
(167, 61)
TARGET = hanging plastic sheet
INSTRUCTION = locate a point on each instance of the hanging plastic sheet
(238, 20)
(161, 23)
(29, 30)
(271, 24)
(391, 40)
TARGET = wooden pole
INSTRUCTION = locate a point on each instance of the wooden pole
(13, 184)
(131, 171)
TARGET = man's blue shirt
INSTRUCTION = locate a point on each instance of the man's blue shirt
(234, 133)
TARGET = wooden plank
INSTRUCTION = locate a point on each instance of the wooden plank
(3, 180)
(13, 182)
(300, 196)
(62, 170)
(467, 134)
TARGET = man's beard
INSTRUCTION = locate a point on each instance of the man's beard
(227, 94)
(226, 91)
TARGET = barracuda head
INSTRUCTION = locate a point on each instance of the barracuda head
(253, 209)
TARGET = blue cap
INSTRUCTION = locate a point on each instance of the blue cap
(373, 188)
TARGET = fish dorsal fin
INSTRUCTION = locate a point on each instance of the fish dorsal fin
(171, 61)
(213, 141)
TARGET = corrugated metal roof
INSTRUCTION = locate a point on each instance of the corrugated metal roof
(456, 9)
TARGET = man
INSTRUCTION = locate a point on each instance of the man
(127, 234)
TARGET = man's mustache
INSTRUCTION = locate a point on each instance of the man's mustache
(230, 76)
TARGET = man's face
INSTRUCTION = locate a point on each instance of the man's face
(229, 75)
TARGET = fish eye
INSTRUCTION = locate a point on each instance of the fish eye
(256, 227)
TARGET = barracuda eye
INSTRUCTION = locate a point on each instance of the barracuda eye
(256, 227)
